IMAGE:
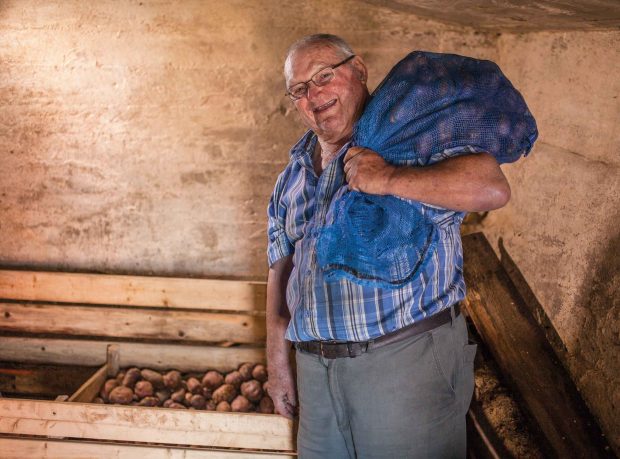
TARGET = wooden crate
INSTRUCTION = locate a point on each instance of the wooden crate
(112, 322)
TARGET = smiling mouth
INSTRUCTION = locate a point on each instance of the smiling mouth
(325, 106)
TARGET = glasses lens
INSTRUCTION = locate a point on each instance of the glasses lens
(323, 77)
(298, 91)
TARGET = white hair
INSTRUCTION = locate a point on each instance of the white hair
(320, 39)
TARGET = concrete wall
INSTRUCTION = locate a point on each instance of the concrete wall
(562, 224)
(145, 137)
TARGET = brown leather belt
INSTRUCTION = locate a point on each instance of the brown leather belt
(337, 349)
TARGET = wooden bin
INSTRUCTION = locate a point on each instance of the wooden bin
(114, 322)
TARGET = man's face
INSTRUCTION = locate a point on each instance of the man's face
(330, 110)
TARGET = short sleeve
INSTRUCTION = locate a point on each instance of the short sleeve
(279, 244)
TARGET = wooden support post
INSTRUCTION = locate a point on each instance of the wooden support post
(525, 357)
(113, 357)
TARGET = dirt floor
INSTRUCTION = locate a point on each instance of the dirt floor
(510, 430)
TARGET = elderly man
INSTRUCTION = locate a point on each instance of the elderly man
(372, 379)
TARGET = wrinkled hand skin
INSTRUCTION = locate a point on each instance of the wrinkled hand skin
(282, 389)
(367, 171)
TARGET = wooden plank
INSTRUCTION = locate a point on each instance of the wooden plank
(89, 390)
(132, 323)
(41, 380)
(143, 355)
(132, 290)
(142, 424)
(524, 355)
(31, 448)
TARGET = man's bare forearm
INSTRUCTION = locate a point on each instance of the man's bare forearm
(278, 315)
(281, 380)
(469, 183)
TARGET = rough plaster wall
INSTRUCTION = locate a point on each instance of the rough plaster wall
(146, 136)
(561, 226)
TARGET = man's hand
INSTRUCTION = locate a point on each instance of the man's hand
(282, 388)
(367, 171)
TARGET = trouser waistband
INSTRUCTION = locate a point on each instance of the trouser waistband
(338, 349)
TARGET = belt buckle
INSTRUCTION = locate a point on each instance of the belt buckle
(324, 351)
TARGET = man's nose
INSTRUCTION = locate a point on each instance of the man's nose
(313, 90)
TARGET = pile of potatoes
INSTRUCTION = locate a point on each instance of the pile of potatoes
(242, 390)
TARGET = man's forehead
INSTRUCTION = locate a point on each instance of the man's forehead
(310, 59)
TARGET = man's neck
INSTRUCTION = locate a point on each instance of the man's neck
(328, 151)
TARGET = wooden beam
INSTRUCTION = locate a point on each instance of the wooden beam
(132, 323)
(89, 390)
(146, 424)
(39, 448)
(143, 355)
(132, 290)
(525, 357)
(41, 380)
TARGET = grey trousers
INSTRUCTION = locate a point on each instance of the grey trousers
(404, 400)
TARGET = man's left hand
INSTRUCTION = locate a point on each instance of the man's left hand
(367, 171)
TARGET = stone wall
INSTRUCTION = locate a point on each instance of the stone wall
(145, 137)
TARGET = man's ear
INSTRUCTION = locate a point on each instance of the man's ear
(360, 68)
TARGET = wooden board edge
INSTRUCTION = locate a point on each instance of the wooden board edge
(12, 447)
(143, 424)
(125, 290)
(164, 356)
(89, 390)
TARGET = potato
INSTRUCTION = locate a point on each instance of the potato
(224, 393)
(172, 380)
(265, 405)
(194, 386)
(198, 401)
(95, 400)
(245, 370)
(167, 403)
(155, 378)
(162, 395)
(252, 390)
(143, 389)
(223, 406)
(178, 396)
(266, 387)
(207, 393)
(122, 395)
(188, 397)
(107, 388)
(234, 378)
(212, 379)
(240, 404)
(176, 405)
(259, 373)
(120, 376)
(131, 377)
(210, 405)
(149, 401)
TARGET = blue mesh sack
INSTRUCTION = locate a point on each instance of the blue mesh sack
(429, 102)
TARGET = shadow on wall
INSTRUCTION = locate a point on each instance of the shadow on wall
(597, 350)
(595, 361)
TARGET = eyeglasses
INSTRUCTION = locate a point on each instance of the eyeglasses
(320, 78)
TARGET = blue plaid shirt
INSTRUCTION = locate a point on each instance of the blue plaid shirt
(343, 310)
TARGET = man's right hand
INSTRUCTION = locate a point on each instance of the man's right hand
(282, 388)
